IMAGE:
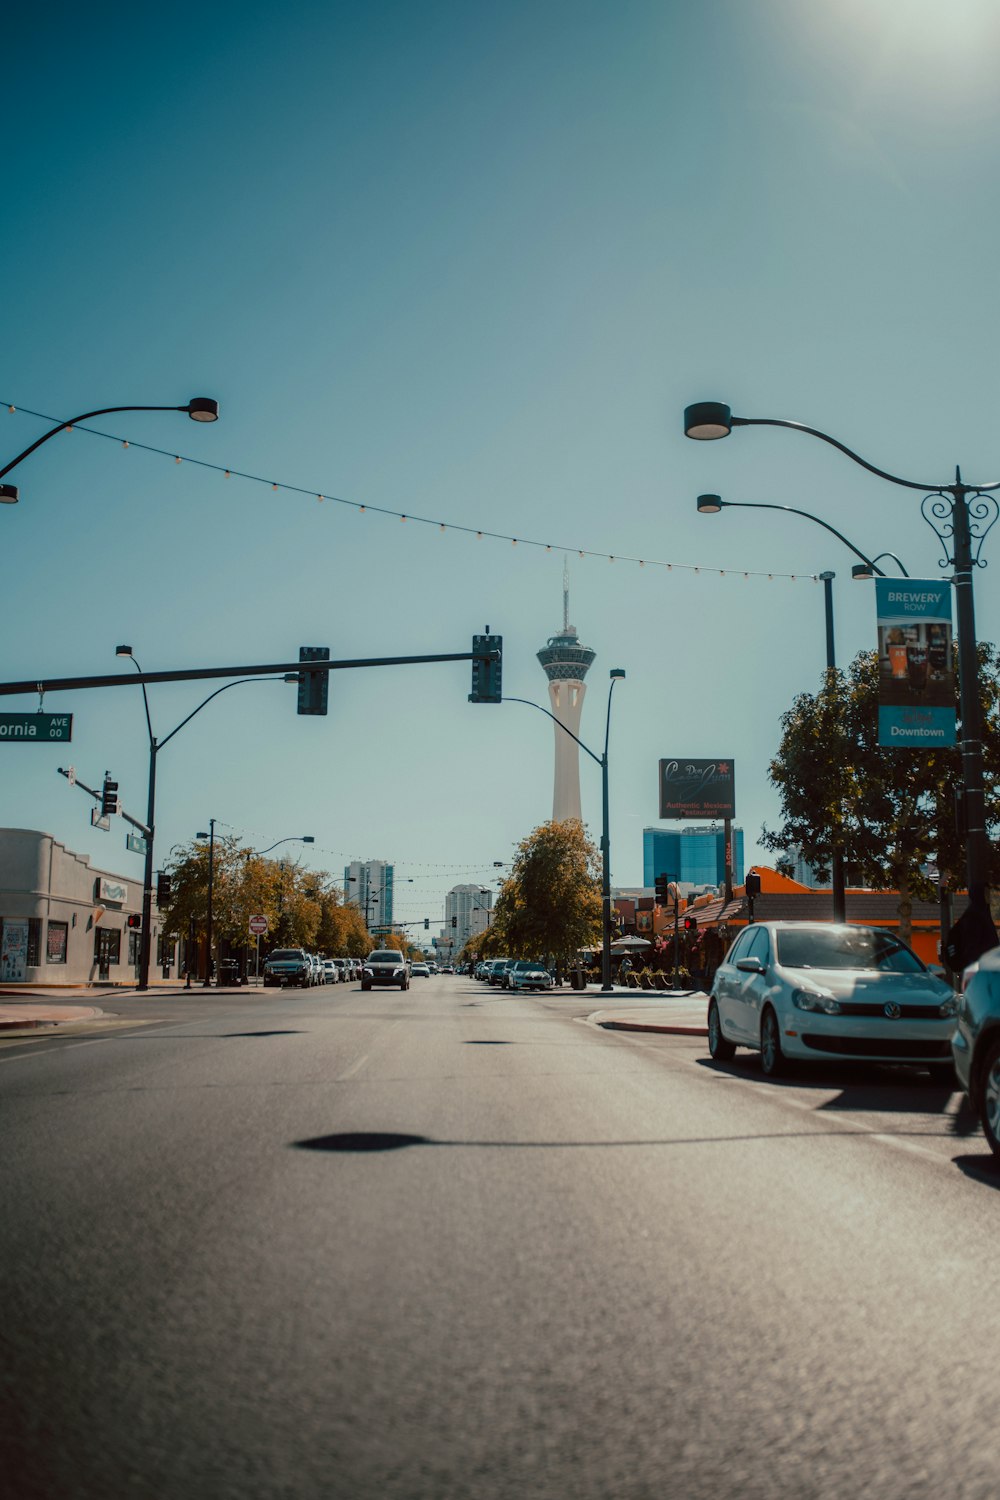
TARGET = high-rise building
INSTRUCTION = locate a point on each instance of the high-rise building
(368, 886)
(566, 664)
(472, 907)
(694, 855)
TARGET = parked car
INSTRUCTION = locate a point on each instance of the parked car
(975, 1045)
(496, 969)
(420, 971)
(386, 966)
(526, 974)
(811, 990)
(331, 972)
(288, 966)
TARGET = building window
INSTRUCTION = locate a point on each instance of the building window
(165, 950)
(34, 942)
(55, 946)
(112, 943)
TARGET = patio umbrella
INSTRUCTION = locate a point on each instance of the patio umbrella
(630, 944)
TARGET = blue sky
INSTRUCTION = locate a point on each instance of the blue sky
(471, 263)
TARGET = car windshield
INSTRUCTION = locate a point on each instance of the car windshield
(282, 953)
(845, 948)
(527, 963)
(386, 956)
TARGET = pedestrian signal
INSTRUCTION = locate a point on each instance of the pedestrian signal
(690, 924)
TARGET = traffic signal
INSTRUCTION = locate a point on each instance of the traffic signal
(690, 924)
(109, 798)
(163, 890)
(427, 923)
(314, 687)
(454, 921)
(752, 885)
(663, 890)
(487, 675)
(133, 919)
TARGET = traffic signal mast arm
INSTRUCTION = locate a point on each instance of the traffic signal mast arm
(36, 685)
(98, 797)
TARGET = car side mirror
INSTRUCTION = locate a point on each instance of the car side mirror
(750, 965)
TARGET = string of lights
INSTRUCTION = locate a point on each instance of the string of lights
(479, 532)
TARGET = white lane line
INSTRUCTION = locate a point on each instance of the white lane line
(354, 1068)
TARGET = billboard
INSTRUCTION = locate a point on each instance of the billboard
(697, 789)
(916, 674)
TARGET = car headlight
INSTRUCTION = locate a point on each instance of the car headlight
(949, 1007)
(816, 1000)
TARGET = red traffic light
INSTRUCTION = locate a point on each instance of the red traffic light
(690, 924)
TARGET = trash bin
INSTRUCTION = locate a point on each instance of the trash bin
(578, 979)
(229, 972)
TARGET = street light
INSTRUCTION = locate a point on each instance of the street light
(155, 746)
(199, 409)
(616, 674)
(210, 835)
(710, 505)
(293, 838)
(960, 515)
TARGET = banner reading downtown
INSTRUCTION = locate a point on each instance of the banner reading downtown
(916, 676)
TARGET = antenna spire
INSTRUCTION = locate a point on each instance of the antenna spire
(565, 594)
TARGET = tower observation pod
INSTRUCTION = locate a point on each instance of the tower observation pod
(566, 664)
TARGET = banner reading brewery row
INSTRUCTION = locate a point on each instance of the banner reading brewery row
(697, 789)
(916, 674)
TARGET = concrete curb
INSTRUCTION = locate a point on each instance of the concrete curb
(677, 1030)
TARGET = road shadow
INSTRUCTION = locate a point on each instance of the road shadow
(984, 1169)
(485, 1042)
(364, 1140)
(368, 1141)
(864, 1088)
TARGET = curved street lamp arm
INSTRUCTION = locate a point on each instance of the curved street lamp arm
(909, 484)
(238, 683)
(145, 700)
(83, 417)
(595, 758)
(895, 560)
(791, 510)
(607, 725)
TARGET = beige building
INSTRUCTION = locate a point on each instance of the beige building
(65, 922)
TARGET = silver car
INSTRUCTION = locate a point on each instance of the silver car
(526, 974)
(824, 991)
(975, 1045)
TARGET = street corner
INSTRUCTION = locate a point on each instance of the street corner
(680, 1019)
(38, 1016)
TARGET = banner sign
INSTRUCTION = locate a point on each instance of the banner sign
(14, 950)
(916, 675)
(697, 789)
(111, 890)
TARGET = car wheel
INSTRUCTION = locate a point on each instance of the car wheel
(721, 1049)
(772, 1060)
(989, 1097)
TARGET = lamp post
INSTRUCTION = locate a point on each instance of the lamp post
(616, 674)
(199, 409)
(155, 746)
(710, 505)
(210, 835)
(960, 515)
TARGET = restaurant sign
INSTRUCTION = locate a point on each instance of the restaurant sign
(697, 789)
(916, 675)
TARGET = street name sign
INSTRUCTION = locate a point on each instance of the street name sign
(135, 842)
(258, 926)
(35, 729)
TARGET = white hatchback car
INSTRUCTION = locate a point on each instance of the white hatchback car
(826, 991)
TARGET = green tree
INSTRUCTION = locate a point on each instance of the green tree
(550, 905)
(890, 809)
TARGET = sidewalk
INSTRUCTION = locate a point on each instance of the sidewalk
(681, 1014)
(29, 1009)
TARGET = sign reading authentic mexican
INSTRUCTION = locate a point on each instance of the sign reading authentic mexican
(35, 729)
(697, 789)
(916, 675)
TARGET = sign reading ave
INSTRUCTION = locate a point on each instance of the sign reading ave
(35, 729)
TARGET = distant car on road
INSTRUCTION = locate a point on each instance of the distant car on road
(975, 1045)
(420, 971)
(288, 966)
(386, 966)
(824, 991)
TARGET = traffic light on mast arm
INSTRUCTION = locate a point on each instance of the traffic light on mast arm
(487, 673)
(663, 890)
(109, 797)
(314, 687)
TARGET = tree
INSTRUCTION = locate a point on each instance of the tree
(550, 905)
(889, 809)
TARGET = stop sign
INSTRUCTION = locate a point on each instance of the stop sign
(258, 926)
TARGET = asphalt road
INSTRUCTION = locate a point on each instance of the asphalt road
(447, 1244)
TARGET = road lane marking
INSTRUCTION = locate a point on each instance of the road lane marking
(354, 1068)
